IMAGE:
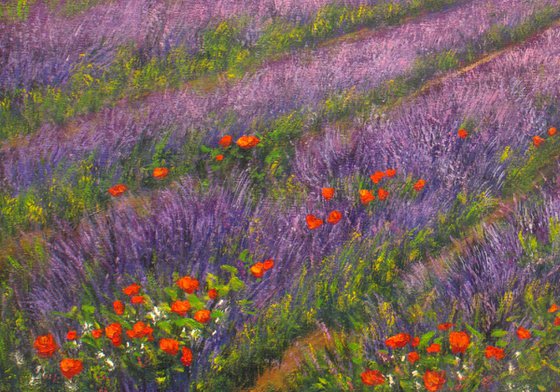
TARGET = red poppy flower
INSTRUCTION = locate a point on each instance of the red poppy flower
(268, 264)
(181, 307)
(202, 316)
(247, 142)
(118, 306)
(537, 141)
(133, 289)
(257, 270)
(552, 131)
(70, 367)
(494, 352)
(334, 217)
(97, 333)
(140, 330)
(366, 196)
(372, 377)
(553, 308)
(462, 133)
(170, 346)
(188, 284)
(114, 332)
(160, 173)
(398, 341)
(413, 357)
(433, 348)
(225, 141)
(212, 293)
(186, 356)
(45, 345)
(72, 335)
(434, 380)
(445, 326)
(377, 177)
(523, 333)
(382, 194)
(390, 173)
(137, 299)
(419, 185)
(557, 321)
(327, 193)
(313, 222)
(415, 342)
(219, 157)
(117, 190)
(459, 342)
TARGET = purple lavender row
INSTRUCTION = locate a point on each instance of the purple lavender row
(277, 88)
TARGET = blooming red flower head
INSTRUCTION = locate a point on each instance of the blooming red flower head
(188, 284)
(494, 352)
(181, 307)
(225, 141)
(212, 293)
(459, 342)
(247, 142)
(170, 346)
(434, 380)
(70, 367)
(523, 333)
(398, 341)
(219, 157)
(553, 308)
(137, 299)
(557, 321)
(97, 333)
(413, 357)
(114, 332)
(72, 335)
(160, 173)
(140, 330)
(268, 264)
(313, 222)
(372, 377)
(328, 193)
(132, 289)
(118, 306)
(552, 131)
(257, 270)
(390, 173)
(377, 177)
(117, 190)
(334, 217)
(445, 326)
(415, 341)
(382, 194)
(186, 356)
(202, 316)
(433, 348)
(45, 345)
(419, 185)
(366, 196)
(537, 141)
(462, 133)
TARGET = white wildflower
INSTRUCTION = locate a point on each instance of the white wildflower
(517, 354)
(100, 354)
(390, 377)
(110, 364)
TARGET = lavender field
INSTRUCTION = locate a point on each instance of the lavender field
(280, 195)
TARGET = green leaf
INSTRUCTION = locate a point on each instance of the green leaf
(236, 284)
(474, 332)
(498, 333)
(88, 309)
(229, 268)
(425, 339)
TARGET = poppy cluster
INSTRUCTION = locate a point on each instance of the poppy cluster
(158, 173)
(245, 142)
(538, 140)
(258, 269)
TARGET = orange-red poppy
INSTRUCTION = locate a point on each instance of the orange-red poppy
(114, 332)
(70, 367)
(212, 293)
(372, 377)
(391, 173)
(202, 316)
(181, 307)
(382, 194)
(377, 177)
(537, 141)
(97, 333)
(225, 141)
(132, 289)
(219, 157)
(419, 185)
(168, 345)
(71, 335)
(552, 131)
(415, 341)
(434, 380)
(328, 193)
(117, 190)
(433, 348)
(313, 222)
(334, 217)
(459, 342)
(494, 352)
(137, 299)
(45, 345)
(557, 321)
(247, 142)
(140, 330)
(445, 326)
(523, 333)
(366, 196)
(553, 308)
(413, 357)
(160, 173)
(186, 356)
(188, 284)
(462, 133)
(118, 306)
(268, 264)
(257, 270)
(398, 341)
